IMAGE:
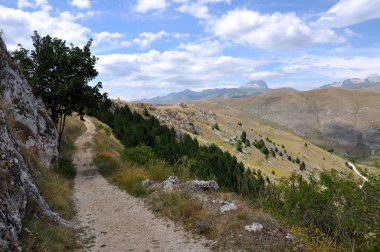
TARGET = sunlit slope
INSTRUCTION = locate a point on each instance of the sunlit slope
(197, 119)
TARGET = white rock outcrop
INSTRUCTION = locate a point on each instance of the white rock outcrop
(171, 183)
(254, 227)
(24, 124)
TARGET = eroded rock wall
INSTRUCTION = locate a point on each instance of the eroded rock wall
(24, 124)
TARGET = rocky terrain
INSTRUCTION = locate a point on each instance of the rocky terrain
(26, 132)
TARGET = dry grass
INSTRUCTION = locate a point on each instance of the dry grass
(226, 229)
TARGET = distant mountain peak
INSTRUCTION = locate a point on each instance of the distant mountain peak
(258, 84)
(372, 82)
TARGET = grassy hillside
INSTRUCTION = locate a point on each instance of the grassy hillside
(56, 186)
(199, 118)
(331, 206)
(343, 119)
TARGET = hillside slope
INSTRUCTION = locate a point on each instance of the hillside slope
(341, 117)
(199, 118)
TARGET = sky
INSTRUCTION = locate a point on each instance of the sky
(147, 48)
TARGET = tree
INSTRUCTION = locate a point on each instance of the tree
(239, 146)
(243, 137)
(60, 74)
(302, 166)
(215, 126)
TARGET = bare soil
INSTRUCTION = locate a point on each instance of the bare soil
(112, 220)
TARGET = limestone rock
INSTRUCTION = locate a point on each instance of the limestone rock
(24, 124)
(254, 227)
(146, 182)
(201, 185)
(228, 206)
(171, 183)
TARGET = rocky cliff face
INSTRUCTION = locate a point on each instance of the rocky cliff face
(24, 125)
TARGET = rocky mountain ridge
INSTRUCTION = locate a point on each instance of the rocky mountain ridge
(372, 82)
(252, 88)
(25, 127)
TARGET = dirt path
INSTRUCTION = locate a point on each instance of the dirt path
(114, 220)
(357, 172)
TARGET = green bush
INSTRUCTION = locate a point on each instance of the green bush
(66, 168)
(141, 154)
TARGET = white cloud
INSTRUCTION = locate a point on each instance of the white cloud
(31, 4)
(337, 67)
(81, 4)
(145, 39)
(19, 26)
(270, 31)
(350, 12)
(198, 9)
(145, 6)
(263, 74)
(203, 47)
(175, 70)
(24, 4)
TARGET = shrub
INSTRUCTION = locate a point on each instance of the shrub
(141, 154)
(215, 127)
(239, 146)
(130, 180)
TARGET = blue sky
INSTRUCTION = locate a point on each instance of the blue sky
(152, 47)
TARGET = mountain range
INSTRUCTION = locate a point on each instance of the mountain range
(252, 88)
(255, 88)
(372, 82)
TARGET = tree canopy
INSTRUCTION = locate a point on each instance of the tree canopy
(60, 74)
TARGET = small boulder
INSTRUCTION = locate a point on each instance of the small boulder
(289, 236)
(201, 185)
(171, 183)
(228, 206)
(146, 182)
(254, 227)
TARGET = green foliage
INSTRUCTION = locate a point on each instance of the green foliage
(376, 164)
(146, 112)
(239, 146)
(302, 166)
(215, 127)
(60, 74)
(66, 168)
(331, 150)
(243, 137)
(334, 204)
(247, 143)
(297, 160)
(141, 154)
(272, 152)
(239, 123)
(184, 156)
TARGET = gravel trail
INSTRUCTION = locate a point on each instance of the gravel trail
(112, 220)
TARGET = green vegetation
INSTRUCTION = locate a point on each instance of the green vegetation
(215, 127)
(239, 146)
(334, 204)
(56, 186)
(205, 162)
(376, 164)
(59, 74)
(243, 137)
(302, 166)
(333, 210)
